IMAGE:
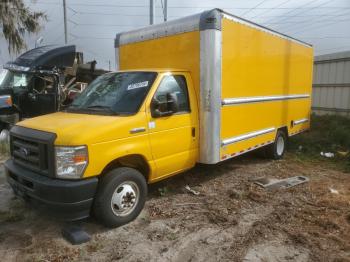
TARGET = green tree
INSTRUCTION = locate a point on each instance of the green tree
(16, 19)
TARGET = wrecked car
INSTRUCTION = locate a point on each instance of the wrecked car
(41, 81)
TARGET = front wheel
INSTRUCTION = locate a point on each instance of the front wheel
(121, 197)
(278, 148)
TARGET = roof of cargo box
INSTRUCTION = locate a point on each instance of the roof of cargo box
(44, 57)
(210, 19)
(158, 70)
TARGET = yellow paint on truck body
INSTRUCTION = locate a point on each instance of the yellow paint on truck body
(168, 149)
(175, 51)
(256, 64)
(260, 64)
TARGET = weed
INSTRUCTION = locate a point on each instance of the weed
(328, 133)
(163, 191)
(172, 236)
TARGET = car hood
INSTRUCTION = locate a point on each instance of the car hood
(83, 129)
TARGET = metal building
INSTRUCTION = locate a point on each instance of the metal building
(331, 84)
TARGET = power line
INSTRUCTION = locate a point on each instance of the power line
(314, 21)
(304, 27)
(310, 26)
(320, 5)
(296, 8)
(90, 37)
(147, 15)
(283, 3)
(323, 15)
(88, 4)
(193, 7)
(324, 25)
(253, 8)
(101, 13)
(327, 37)
(102, 25)
(295, 12)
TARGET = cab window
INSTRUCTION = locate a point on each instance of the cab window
(174, 84)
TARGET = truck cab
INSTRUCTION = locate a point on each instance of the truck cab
(144, 120)
(35, 94)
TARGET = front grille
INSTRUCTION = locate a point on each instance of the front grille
(30, 154)
(33, 149)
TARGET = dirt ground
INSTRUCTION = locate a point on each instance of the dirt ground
(230, 220)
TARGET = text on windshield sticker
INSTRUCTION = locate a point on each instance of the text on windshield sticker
(137, 85)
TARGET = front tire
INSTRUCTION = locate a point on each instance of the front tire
(278, 148)
(120, 197)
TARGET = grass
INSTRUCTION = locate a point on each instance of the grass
(328, 133)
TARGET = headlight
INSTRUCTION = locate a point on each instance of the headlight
(71, 161)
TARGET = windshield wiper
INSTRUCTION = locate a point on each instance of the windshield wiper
(95, 108)
(101, 107)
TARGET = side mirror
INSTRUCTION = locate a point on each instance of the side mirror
(167, 108)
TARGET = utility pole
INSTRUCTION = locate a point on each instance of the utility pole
(151, 12)
(165, 11)
(65, 22)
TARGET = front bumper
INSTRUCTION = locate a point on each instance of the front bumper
(65, 199)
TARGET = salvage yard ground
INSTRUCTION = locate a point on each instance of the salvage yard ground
(230, 220)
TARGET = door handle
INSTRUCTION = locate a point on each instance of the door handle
(137, 130)
(193, 132)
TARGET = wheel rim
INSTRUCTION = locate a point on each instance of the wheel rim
(280, 145)
(125, 198)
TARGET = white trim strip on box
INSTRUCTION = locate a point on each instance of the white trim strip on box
(239, 138)
(300, 121)
(228, 156)
(256, 99)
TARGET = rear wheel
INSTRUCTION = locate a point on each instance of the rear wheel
(120, 197)
(278, 148)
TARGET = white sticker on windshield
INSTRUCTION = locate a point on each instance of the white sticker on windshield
(137, 85)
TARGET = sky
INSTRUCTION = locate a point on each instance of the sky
(93, 24)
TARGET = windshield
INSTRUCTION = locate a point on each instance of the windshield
(115, 93)
(14, 80)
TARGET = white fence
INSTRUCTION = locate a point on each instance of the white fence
(331, 84)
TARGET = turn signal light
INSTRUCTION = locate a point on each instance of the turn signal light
(8, 101)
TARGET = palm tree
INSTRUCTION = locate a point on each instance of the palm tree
(16, 19)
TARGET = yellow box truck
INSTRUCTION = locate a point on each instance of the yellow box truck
(200, 89)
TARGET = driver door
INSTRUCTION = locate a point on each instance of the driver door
(174, 137)
(43, 95)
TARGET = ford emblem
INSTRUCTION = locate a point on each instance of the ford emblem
(24, 151)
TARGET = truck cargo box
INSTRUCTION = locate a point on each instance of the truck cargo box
(250, 80)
